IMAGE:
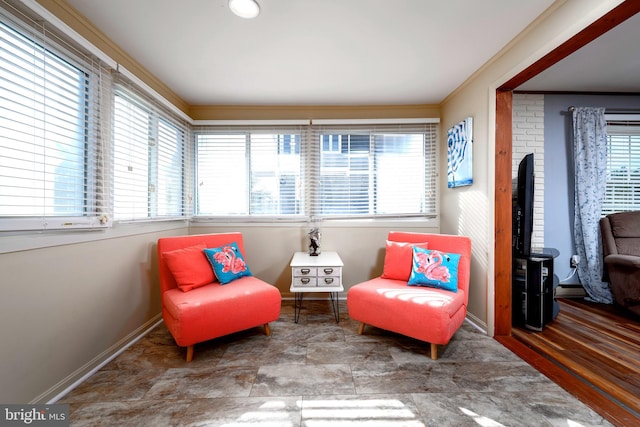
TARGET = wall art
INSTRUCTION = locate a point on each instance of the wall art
(460, 154)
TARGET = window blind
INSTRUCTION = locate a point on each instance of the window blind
(131, 159)
(622, 191)
(150, 160)
(373, 171)
(249, 171)
(52, 148)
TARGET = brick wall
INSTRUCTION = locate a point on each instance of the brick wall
(528, 137)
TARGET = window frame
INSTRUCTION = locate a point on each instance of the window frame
(293, 128)
(93, 87)
(152, 147)
(310, 159)
(628, 129)
(374, 153)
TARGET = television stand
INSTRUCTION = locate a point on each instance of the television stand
(533, 289)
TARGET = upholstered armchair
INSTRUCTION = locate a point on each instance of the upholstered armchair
(621, 251)
(423, 290)
(208, 291)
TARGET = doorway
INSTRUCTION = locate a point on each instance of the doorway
(503, 154)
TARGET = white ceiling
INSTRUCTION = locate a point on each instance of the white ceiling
(610, 63)
(322, 52)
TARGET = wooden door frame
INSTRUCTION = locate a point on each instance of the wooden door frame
(502, 201)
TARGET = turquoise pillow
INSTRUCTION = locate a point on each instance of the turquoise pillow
(434, 268)
(227, 262)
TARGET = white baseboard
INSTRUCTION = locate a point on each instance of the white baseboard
(81, 374)
(477, 323)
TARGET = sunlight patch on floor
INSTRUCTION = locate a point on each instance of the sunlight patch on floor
(483, 421)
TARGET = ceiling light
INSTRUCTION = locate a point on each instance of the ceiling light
(244, 8)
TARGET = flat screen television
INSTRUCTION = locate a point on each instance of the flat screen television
(523, 208)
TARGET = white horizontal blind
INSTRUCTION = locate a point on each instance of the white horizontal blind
(623, 168)
(275, 173)
(221, 174)
(149, 158)
(131, 159)
(249, 171)
(51, 140)
(169, 187)
(373, 171)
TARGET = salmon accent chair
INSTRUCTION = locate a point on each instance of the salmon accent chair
(424, 313)
(204, 309)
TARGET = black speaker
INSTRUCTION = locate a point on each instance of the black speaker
(532, 291)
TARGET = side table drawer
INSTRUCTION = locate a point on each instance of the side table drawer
(329, 281)
(329, 271)
(304, 282)
(305, 271)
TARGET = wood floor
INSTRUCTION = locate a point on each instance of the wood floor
(592, 351)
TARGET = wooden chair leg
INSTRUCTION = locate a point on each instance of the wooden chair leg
(189, 353)
(434, 351)
(361, 328)
(267, 329)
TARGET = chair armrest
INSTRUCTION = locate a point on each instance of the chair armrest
(624, 261)
(608, 241)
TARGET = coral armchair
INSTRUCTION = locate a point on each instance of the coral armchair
(195, 306)
(424, 313)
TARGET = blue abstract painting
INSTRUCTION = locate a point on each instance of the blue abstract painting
(460, 154)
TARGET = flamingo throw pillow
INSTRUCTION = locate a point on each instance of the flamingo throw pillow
(227, 262)
(434, 268)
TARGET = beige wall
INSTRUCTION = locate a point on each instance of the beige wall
(269, 250)
(65, 308)
(220, 112)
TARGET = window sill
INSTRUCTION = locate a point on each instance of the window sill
(333, 223)
(29, 240)
(24, 241)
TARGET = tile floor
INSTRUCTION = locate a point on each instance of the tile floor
(318, 373)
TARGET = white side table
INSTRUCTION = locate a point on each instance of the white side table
(322, 273)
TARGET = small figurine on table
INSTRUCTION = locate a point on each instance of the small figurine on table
(314, 241)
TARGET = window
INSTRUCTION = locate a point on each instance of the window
(623, 168)
(253, 172)
(344, 174)
(149, 160)
(49, 144)
(376, 171)
(317, 172)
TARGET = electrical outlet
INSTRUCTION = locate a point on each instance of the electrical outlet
(575, 260)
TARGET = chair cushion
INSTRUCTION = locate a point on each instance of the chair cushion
(166, 244)
(189, 267)
(625, 224)
(628, 246)
(216, 310)
(397, 259)
(424, 313)
(625, 227)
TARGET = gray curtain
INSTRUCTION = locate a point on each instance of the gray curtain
(590, 151)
